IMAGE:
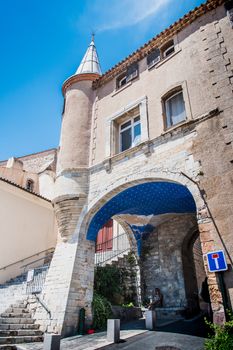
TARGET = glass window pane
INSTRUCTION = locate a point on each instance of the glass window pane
(125, 125)
(137, 134)
(126, 139)
(175, 110)
(136, 119)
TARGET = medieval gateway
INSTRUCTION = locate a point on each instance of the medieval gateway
(149, 145)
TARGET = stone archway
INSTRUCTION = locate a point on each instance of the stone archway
(69, 284)
(143, 207)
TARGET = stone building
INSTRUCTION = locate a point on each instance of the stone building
(149, 144)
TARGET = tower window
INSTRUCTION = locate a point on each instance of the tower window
(174, 109)
(30, 185)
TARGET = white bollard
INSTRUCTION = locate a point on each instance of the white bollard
(150, 320)
(52, 341)
(113, 330)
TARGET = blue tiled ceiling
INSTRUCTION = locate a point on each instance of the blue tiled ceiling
(151, 198)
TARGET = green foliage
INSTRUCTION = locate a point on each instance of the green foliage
(131, 259)
(107, 281)
(101, 311)
(128, 305)
(221, 337)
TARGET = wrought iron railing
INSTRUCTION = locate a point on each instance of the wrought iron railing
(111, 249)
(35, 279)
(45, 253)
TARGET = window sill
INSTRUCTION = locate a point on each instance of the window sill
(115, 92)
(173, 127)
(164, 60)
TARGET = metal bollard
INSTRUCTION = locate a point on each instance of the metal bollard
(150, 320)
(113, 330)
(52, 341)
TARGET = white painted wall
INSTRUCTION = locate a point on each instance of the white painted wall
(27, 227)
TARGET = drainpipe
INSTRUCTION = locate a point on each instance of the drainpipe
(215, 225)
(220, 274)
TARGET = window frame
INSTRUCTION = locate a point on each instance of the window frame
(131, 126)
(131, 73)
(30, 185)
(111, 133)
(166, 47)
(119, 79)
(165, 100)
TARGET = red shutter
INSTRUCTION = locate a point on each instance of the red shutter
(104, 237)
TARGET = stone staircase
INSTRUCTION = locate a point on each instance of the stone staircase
(18, 326)
(17, 288)
(12, 290)
(17, 305)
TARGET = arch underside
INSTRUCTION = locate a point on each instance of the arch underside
(143, 206)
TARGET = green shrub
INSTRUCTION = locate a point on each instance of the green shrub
(221, 337)
(128, 305)
(101, 311)
(107, 281)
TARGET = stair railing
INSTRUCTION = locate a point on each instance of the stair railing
(49, 251)
(111, 249)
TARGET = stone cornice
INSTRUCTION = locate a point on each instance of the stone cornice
(157, 41)
(78, 77)
(147, 146)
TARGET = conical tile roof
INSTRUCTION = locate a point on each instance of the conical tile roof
(90, 62)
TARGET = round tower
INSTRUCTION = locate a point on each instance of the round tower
(73, 158)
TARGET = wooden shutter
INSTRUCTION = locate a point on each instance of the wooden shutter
(104, 237)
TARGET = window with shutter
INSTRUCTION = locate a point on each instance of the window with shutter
(153, 58)
(132, 72)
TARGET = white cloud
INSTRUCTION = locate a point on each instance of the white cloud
(127, 13)
(115, 14)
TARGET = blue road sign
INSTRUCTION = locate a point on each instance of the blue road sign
(216, 261)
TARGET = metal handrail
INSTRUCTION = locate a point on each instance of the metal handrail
(106, 251)
(29, 257)
(115, 255)
(34, 261)
(110, 240)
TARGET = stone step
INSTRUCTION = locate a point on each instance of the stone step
(16, 320)
(19, 305)
(15, 315)
(20, 310)
(20, 339)
(20, 332)
(16, 326)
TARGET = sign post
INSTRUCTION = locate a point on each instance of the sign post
(217, 263)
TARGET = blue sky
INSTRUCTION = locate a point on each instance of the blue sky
(42, 43)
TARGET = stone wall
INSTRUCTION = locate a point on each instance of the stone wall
(161, 260)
